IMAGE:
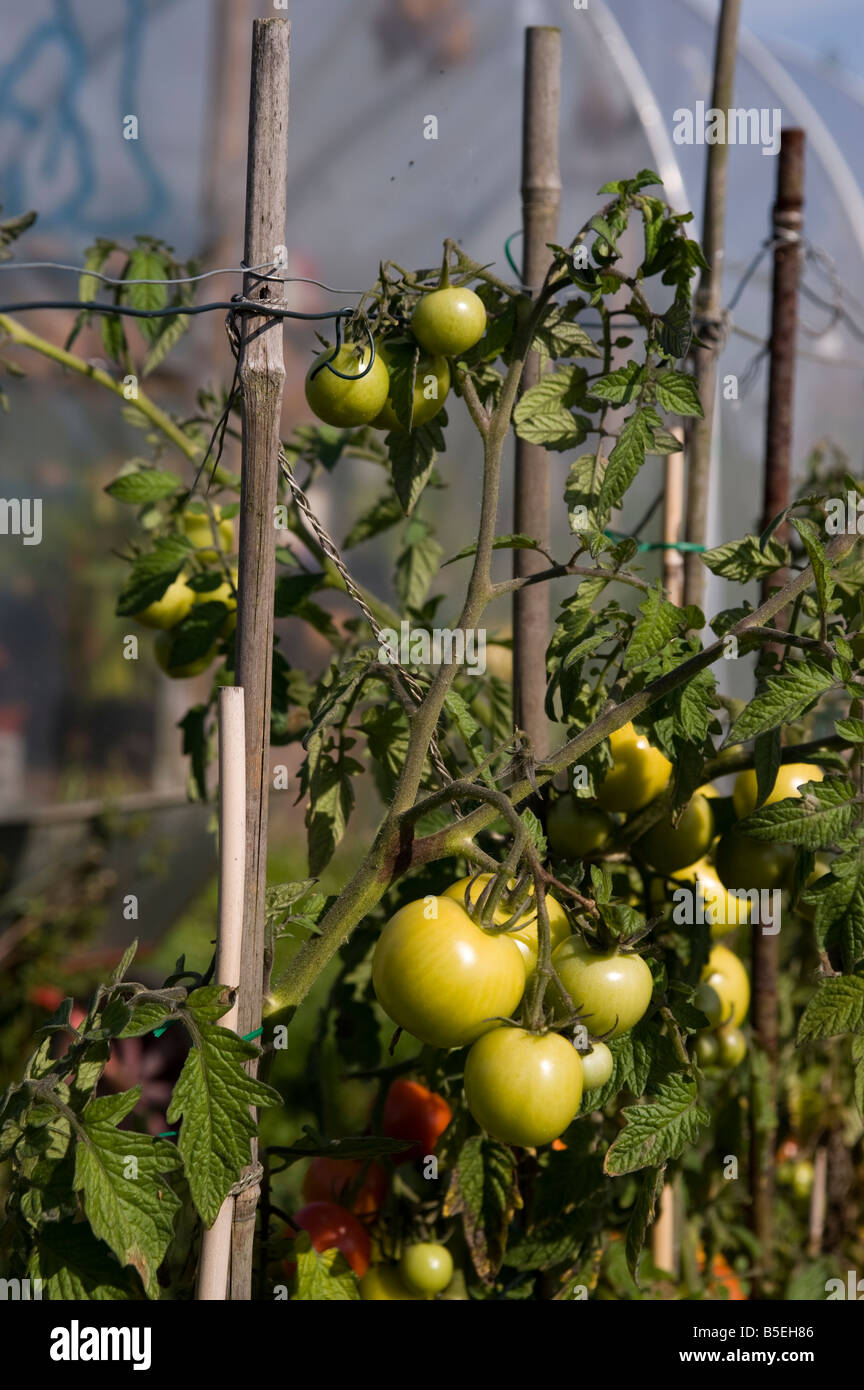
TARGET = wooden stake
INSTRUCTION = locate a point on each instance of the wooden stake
(787, 226)
(262, 376)
(541, 201)
(216, 1243)
(708, 305)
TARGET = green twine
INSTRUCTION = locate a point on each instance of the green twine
(657, 545)
(510, 261)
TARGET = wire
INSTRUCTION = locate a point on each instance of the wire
(116, 280)
(240, 304)
(182, 279)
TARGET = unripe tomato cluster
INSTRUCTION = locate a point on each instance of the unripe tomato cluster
(453, 981)
(168, 612)
(352, 387)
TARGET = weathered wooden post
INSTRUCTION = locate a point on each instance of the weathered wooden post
(262, 376)
(708, 306)
(541, 201)
(786, 228)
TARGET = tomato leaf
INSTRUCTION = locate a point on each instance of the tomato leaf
(821, 814)
(744, 560)
(657, 1130)
(323, 1278)
(73, 1265)
(121, 1175)
(642, 1217)
(484, 1191)
(213, 1095)
(782, 699)
(836, 1007)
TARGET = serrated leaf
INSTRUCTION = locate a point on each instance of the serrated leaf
(620, 386)
(146, 264)
(74, 1266)
(837, 899)
(542, 415)
(94, 259)
(657, 1130)
(151, 574)
(852, 730)
(417, 564)
(836, 1007)
(815, 548)
(642, 1217)
(677, 393)
(134, 1215)
(628, 456)
(170, 333)
(660, 621)
(784, 699)
(633, 1054)
(144, 485)
(744, 561)
(213, 1097)
(515, 542)
(145, 1018)
(483, 1189)
(560, 336)
(820, 815)
(412, 459)
(114, 338)
(323, 1278)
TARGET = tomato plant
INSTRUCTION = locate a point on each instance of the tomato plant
(516, 986)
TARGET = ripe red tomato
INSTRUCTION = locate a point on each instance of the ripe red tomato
(333, 1227)
(327, 1179)
(412, 1111)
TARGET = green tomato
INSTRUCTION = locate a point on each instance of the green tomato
(431, 384)
(163, 647)
(346, 403)
(610, 989)
(802, 1177)
(706, 1049)
(575, 828)
(169, 610)
(597, 1066)
(426, 1269)
(198, 527)
(382, 1284)
(441, 977)
(449, 321)
(732, 1045)
(525, 937)
(227, 594)
(789, 779)
(638, 774)
(523, 1088)
(724, 994)
(745, 863)
(667, 847)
